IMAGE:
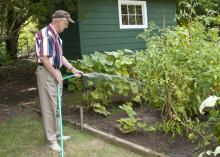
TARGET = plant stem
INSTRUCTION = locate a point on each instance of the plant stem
(178, 118)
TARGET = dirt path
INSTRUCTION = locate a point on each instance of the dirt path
(17, 86)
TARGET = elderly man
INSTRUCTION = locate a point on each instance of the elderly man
(50, 59)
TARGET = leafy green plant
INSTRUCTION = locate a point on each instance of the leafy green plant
(178, 69)
(132, 123)
(101, 90)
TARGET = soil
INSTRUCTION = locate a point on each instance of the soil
(160, 142)
(18, 86)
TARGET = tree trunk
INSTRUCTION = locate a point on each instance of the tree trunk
(11, 46)
(14, 24)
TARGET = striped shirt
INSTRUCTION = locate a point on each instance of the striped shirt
(49, 44)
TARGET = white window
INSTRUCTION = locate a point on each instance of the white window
(132, 14)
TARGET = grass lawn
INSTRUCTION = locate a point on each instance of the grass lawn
(24, 137)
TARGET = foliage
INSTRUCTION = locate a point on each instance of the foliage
(187, 10)
(132, 123)
(179, 69)
(99, 91)
(26, 37)
(115, 62)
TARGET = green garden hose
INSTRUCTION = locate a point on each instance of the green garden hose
(60, 115)
(89, 75)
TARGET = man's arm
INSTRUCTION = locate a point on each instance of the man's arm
(71, 68)
(50, 68)
(67, 64)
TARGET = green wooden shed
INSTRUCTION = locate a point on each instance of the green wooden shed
(107, 25)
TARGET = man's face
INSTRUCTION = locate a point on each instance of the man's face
(63, 24)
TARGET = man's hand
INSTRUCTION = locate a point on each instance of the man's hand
(58, 78)
(66, 63)
(77, 73)
(56, 75)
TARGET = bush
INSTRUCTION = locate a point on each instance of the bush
(179, 69)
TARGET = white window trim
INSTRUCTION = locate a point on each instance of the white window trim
(144, 12)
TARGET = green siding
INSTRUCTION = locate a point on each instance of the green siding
(71, 42)
(99, 24)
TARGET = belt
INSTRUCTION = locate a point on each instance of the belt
(55, 66)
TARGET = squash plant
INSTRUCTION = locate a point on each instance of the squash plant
(132, 122)
(99, 91)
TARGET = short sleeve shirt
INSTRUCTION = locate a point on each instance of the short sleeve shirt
(49, 44)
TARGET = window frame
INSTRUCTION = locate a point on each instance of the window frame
(144, 13)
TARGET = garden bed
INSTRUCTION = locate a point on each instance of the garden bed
(20, 87)
(160, 142)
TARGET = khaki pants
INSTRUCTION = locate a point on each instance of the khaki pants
(47, 88)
